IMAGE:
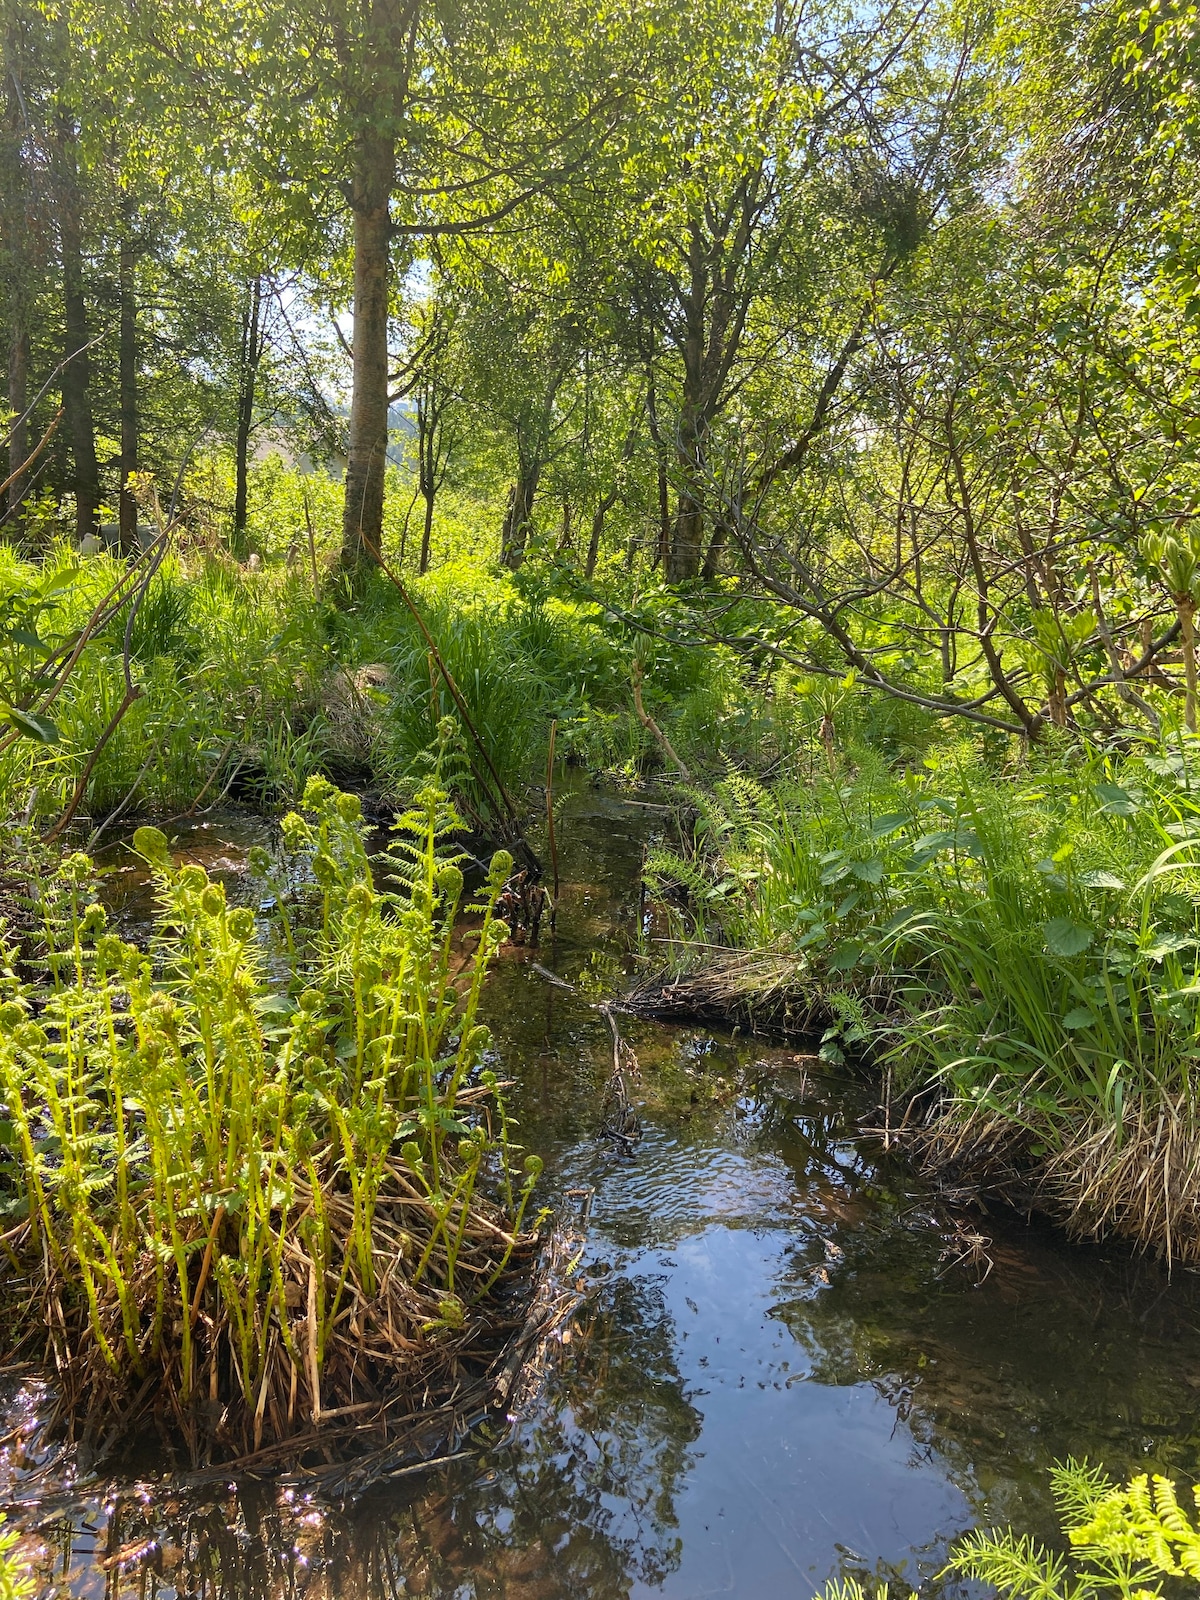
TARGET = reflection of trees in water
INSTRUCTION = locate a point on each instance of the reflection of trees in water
(582, 1504)
(1062, 1349)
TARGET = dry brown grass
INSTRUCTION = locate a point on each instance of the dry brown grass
(390, 1361)
(1137, 1178)
(757, 987)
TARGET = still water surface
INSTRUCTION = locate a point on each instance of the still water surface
(779, 1374)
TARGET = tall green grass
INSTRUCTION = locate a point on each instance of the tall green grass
(517, 663)
(1026, 948)
(228, 663)
(522, 656)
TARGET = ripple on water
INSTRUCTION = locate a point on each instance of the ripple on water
(777, 1373)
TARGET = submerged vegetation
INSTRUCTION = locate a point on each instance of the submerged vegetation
(1125, 1541)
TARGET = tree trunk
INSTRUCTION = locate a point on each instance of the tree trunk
(127, 505)
(716, 548)
(76, 377)
(427, 530)
(604, 506)
(249, 357)
(663, 544)
(514, 537)
(427, 454)
(593, 549)
(362, 523)
(566, 536)
(683, 557)
(687, 537)
(18, 400)
(17, 267)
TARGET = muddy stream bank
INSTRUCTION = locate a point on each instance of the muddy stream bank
(779, 1373)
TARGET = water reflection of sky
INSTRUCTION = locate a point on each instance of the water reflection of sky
(778, 1373)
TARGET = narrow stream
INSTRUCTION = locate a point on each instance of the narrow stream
(780, 1373)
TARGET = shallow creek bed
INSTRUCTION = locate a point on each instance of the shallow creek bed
(790, 1361)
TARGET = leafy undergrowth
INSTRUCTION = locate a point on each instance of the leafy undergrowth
(270, 1212)
(229, 666)
(1020, 954)
(1131, 1542)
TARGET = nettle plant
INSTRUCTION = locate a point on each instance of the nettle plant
(261, 1202)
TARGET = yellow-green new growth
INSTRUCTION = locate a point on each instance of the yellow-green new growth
(1177, 557)
(16, 1580)
(1124, 1542)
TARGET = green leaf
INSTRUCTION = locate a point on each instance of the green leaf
(1101, 879)
(846, 956)
(1168, 944)
(1080, 1017)
(884, 827)
(58, 581)
(1117, 802)
(1066, 938)
(276, 1005)
(868, 871)
(33, 727)
(22, 636)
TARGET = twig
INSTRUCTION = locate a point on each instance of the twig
(652, 727)
(13, 477)
(120, 810)
(218, 1218)
(312, 541)
(131, 694)
(101, 615)
(550, 820)
(211, 779)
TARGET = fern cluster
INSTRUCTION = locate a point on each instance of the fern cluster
(16, 1582)
(1124, 1542)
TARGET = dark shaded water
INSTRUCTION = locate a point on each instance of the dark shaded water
(779, 1373)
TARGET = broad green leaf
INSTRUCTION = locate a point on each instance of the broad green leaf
(1168, 944)
(884, 827)
(1100, 879)
(1080, 1017)
(1066, 938)
(33, 727)
(60, 580)
(29, 641)
(868, 871)
(1118, 802)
